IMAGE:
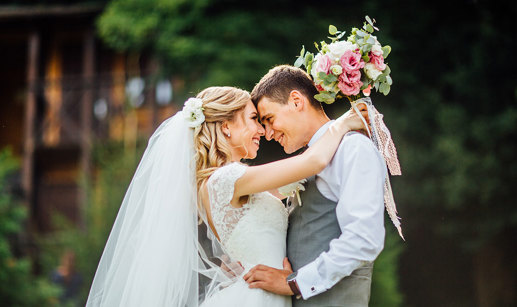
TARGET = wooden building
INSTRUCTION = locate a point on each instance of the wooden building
(61, 90)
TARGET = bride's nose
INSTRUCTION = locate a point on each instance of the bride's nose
(261, 130)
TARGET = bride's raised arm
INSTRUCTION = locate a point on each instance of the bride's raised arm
(279, 173)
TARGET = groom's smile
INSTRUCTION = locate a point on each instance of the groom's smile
(281, 123)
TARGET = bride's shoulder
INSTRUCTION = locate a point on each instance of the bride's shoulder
(231, 171)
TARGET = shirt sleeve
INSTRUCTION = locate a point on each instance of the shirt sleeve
(359, 172)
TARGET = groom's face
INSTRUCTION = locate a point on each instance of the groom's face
(282, 123)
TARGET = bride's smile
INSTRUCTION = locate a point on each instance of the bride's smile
(245, 132)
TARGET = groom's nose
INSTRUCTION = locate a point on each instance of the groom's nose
(269, 133)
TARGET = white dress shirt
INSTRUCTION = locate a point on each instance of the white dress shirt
(355, 180)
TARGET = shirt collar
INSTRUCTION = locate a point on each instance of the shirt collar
(319, 133)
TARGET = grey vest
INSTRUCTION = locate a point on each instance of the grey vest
(311, 228)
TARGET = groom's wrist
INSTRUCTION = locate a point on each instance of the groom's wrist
(291, 281)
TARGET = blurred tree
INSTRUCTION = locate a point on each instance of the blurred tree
(18, 286)
(115, 167)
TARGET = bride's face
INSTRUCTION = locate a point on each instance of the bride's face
(245, 133)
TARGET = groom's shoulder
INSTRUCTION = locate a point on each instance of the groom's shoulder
(355, 141)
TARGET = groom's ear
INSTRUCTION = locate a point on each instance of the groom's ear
(297, 100)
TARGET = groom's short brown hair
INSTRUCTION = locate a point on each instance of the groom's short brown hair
(278, 83)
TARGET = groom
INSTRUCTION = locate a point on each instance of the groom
(338, 231)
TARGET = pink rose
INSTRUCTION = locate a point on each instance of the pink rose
(324, 64)
(351, 61)
(354, 76)
(347, 87)
(378, 61)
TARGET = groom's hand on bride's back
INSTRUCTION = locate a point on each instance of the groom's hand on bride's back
(270, 279)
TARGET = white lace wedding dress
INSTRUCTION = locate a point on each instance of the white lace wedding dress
(254, 234)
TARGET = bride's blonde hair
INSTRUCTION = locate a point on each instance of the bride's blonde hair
(210, 143)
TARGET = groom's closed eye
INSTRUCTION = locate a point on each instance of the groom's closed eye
(266, 119)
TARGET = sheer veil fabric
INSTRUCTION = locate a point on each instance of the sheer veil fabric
(157, 253)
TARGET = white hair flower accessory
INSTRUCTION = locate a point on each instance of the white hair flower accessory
(193, 112)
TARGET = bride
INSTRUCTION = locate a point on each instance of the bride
(190, 179)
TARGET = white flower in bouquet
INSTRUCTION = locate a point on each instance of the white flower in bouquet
(377, 49)
(337, 49)
(336, 69)
(371, 71)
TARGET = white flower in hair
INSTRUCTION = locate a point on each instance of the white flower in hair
(193, 112)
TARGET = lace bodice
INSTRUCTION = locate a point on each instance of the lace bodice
(254, 233)
(221, 186)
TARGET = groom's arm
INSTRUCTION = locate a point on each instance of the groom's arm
(360, 172)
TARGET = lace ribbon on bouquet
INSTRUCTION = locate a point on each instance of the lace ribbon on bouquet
(381, 137)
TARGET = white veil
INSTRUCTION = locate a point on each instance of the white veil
(154, 255)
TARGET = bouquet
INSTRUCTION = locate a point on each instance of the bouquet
(348, 68)
(351, 68)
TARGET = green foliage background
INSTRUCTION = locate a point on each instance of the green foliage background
(18, 285)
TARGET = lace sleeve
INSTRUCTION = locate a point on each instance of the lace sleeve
(221, 186)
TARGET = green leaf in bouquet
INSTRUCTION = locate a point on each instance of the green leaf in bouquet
(389, 80)
(365, 85)
(368, 28)
(309, 57)
(371, 40)
(316, 45)
(371, 22)
(302, 52)
(299, 62)
(341, 35)
(360, 33)
(386, 51)
(309, 68)
(324, 47)
(351, 38)
(332, 30)
(366, 48)
(384, 88)
(366, 58)
(387, 91)
(387, 70)
(376, 85)
(327, 79)
(326, 97)
(381, 78)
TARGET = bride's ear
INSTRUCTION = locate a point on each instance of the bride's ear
(225, 128)
(297, 99)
